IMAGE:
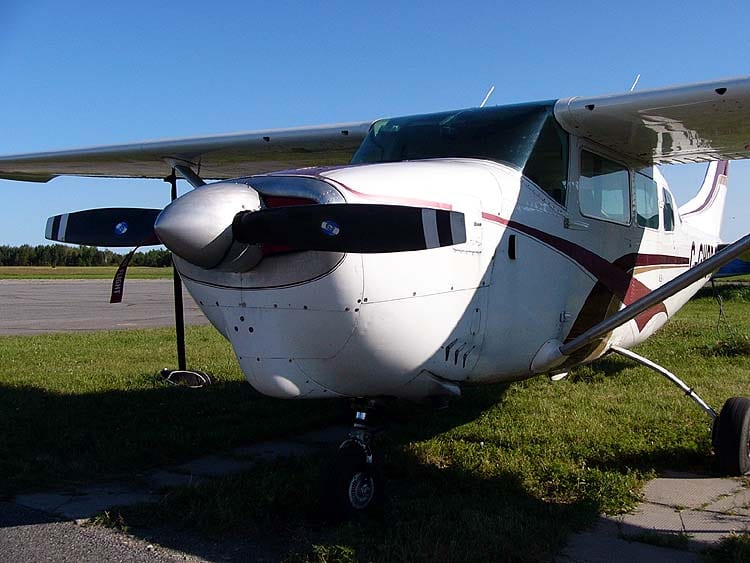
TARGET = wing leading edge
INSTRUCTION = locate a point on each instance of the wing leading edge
(214, 157)
(691, 123)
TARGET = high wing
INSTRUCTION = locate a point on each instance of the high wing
(214, 157)
(691, 123)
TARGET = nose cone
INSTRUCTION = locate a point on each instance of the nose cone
(197, 227)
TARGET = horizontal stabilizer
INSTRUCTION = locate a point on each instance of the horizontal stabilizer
(114, 226)
(360, 228)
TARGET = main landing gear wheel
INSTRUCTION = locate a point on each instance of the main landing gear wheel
(731, 436)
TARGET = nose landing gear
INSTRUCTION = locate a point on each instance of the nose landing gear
(355, 482)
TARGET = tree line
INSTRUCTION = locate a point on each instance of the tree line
(61, 255)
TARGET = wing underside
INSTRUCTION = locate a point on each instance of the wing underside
(692, 123)
(215, 157)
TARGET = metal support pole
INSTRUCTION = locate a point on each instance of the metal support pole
(669, 375)
(179, 316)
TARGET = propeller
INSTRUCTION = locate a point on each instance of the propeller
(205, 228)
(113, 226)
(347, 227)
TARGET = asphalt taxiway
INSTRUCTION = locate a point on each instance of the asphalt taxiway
(39, 306)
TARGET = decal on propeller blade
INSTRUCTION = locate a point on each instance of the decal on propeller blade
(330, 228)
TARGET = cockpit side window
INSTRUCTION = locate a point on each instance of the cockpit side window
(604, 189)
(547, 165)
(668, 211)
(646, 201)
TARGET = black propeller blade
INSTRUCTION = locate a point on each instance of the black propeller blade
(351, 227)
(114, 226)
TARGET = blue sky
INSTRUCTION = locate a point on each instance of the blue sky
(82, 73)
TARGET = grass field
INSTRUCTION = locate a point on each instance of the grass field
(83, 273)
(507, 473)
(79, 406)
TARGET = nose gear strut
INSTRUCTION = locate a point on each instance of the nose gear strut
(355, 482)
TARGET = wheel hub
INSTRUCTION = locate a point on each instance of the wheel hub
(361, 490)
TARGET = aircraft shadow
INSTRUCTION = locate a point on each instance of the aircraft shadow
(53, 440)
(424, 501)
(67, 440)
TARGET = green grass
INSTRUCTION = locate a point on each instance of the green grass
(80, 273)
(732, 549)
(507, 473)
(76, 407)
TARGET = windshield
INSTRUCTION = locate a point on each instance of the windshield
(525, 136)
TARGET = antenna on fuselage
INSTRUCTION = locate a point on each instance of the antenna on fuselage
(487, 97)
(637, 78)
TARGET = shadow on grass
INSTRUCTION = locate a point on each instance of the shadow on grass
(608, 366)
(53, 440)
(696, 460)
(434, 512)
(439, 510)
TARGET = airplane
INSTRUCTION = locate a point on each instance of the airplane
(409, 257)
(740, 266)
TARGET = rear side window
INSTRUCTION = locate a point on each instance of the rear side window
(668, 211)
(646, 201)
(604, 189)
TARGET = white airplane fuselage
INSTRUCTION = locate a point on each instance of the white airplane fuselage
(420, 324)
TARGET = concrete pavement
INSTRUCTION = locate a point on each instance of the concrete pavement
(682, 514)
(54, 526)
(39, 306)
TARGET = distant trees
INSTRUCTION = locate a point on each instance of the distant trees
(61, 255)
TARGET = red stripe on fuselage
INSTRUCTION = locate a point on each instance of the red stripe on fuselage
(616, 279)
(615, 276)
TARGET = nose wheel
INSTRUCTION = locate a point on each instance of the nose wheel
(355, 483)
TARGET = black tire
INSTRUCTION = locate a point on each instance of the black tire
(732, 436)
(355, 487)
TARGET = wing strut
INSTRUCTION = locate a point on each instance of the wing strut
(185, 171)
(658, 295)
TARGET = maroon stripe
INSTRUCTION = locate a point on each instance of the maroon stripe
(616, 279)
(630, 261)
